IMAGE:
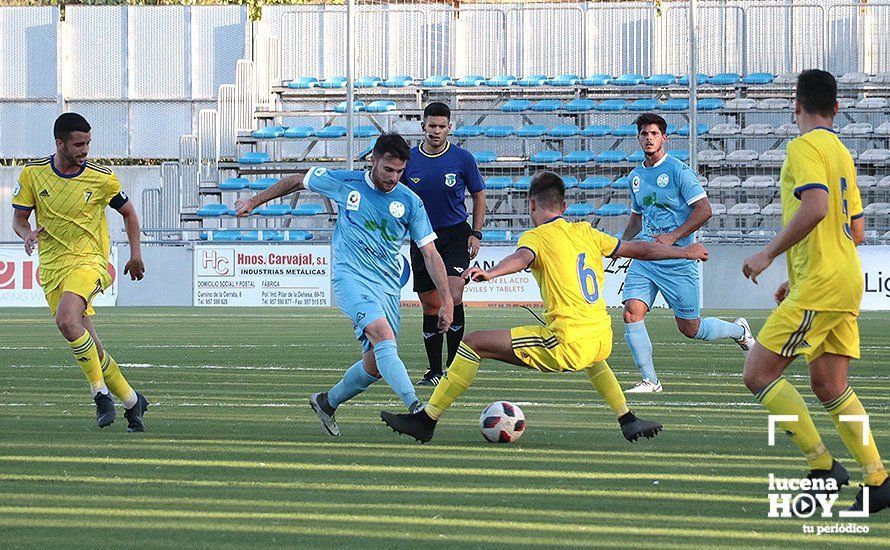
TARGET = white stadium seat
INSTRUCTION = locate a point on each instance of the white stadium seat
(866, 182)
(883, 129)
(759, 182)
(773, 209)
(725, 129)
(773, 155)
(872, 103)
(881, 78)
(724, 182)
(875, 155)
(757, 130)
(711, 155)
(786, 78)
(853, 78)
(846, 102)
(774, 103)
(741, 103)
(857, 129)
(742, 155)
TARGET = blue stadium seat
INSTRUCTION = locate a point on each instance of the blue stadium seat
(334, 82)
(660, 80)
(533, 80)
(213, 210)
(611, 156)
(303, 82)
(636, 156)
(579, 105)
(644, 105)
(484, 157)
(356, 106)
(469, 81)
(225, 235)
(381, 106)
(547, 105)
(676, 104)
(469, 131)
(595, 182)
(502, 80)
(256, 157)
(700, 78)
(702, 129)
(516, 106)
(299, 132)
(724, 79)
(273, 235)
(628, 80)
(437, 81)
(293, 235)
(495, 183)
(563, 130)
(579, 157)
(571, 182)
(672, 129)
(679, 154)
(233, 184)
(597, 80)
(261, 184)
(621, 183)
(309, 209)
(545, 157)
(625, 130)
(596, 130)
(249, 236)
(710, 104)
(758, 78)
(612, 105)
(330, 132)
(496, 235)
(612, 209)
(402, 81)
(579, 209)
(499, 131)
(269, 132)
(523, 183)
(274, 210)
(365, 131)
(368, 82)
(532, 130)
(565, 80)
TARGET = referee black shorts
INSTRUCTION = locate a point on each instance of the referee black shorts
(451, 242)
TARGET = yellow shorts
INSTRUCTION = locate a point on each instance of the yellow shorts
(791, 330)
(538, 348)
(86, 282)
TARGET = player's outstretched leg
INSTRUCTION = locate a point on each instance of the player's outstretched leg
(633, 427)
(637, 338)
(418, 425)
(603, 380)
(712, 328)
(355, 380)
(135, 413)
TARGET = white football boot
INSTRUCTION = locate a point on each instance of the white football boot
(747, 341)
(645, 386)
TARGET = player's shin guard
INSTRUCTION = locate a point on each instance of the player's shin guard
(854, 432)
(604, 382)
(640, 345)
(455, 334)
(460, 375)
(781, 398)
(393, 371)
(355, 380)
(114, 379)
(432, 342)
(87, 357)
(712, 328)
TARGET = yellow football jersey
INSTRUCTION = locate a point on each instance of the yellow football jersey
(568, 267)
(824, 271)
(71, 209)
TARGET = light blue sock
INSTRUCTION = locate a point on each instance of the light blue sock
(355, 381)
(712, 328)
(637, 339)
(393, 371)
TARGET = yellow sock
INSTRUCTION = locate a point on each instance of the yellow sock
(87, 356)
(458, 378)
(116, 382)
(873, 472)
(603, 380)
(780, 397)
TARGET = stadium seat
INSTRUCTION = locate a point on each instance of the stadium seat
(334, 82)
(496, 235)
(269, 132)
(469, 131)
(700, 78)
(724, 79)
(329, 132)
(225, 235)
(546, 157)
(759, 182)
(671, 129)
(308, 209)
(758, 78)
(660, 80)
(213, 210)
(381, 106)
(710, 104)
(772, 209)
(532, 130)
(773, 155)
(741, 104)
(484, 157)
(571, 182)
(499, 131)
(596, 130)
(625, 130)
(256, 157)
(702, 129)
(579, 106)
(579, 157)
(547, 105)
(788, 129)
(565, 80)
(261, 184)
(628, 80)
(711, 155)
(300, 235)
(612, 209)
(533, 80)
(611, 156)
(675, 105)
(725, 129)
(368, 82)
(757, 130)
(502, 80)
(881, 78)
(437, 81)
(398, 82)
(612, 105)
(365, 131)
(356, 106)
(742, 155)
(563, 130)
(872, 103)
(846, 102)
(853, 79)
(644, 105)
(679, 154)
(523, 183)
(875, 155)
(233, 184)
(273, 235)
(299, 132)
(597, 80)
(636, 157)
(496, 183)
(773, 104)
(857, 129)
(786, 78)
(516, 106)
(883, 129)
(274, 210)
(595, 182)
(579, 209)
(621, 183)
(303, 83)
(724, 183)
(469, 81)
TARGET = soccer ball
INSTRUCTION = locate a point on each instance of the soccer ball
(502, 422)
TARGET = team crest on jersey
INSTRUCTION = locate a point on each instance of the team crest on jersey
(450, 179)
(397, 209)
(353, 199)
(16, 190)
(635, 184)
(319, 171)
(662, 180)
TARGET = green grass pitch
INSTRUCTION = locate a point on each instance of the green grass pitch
(234, 456)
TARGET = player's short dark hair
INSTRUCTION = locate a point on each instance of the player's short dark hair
(437, 108)
(67, 123)
(817, 92)
(646, 119)
(548, 189)
(392, 144)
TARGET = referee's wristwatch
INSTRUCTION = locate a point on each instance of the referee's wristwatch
(477, 234)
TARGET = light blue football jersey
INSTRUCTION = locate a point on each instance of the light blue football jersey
(371, 226)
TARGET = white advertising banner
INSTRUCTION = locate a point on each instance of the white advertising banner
(519, 288)
(280, 275)
(20, 279)
(876, 266)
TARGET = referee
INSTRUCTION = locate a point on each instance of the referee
(441, 173)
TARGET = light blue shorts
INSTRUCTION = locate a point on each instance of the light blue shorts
(364, 306)
(680, 286)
